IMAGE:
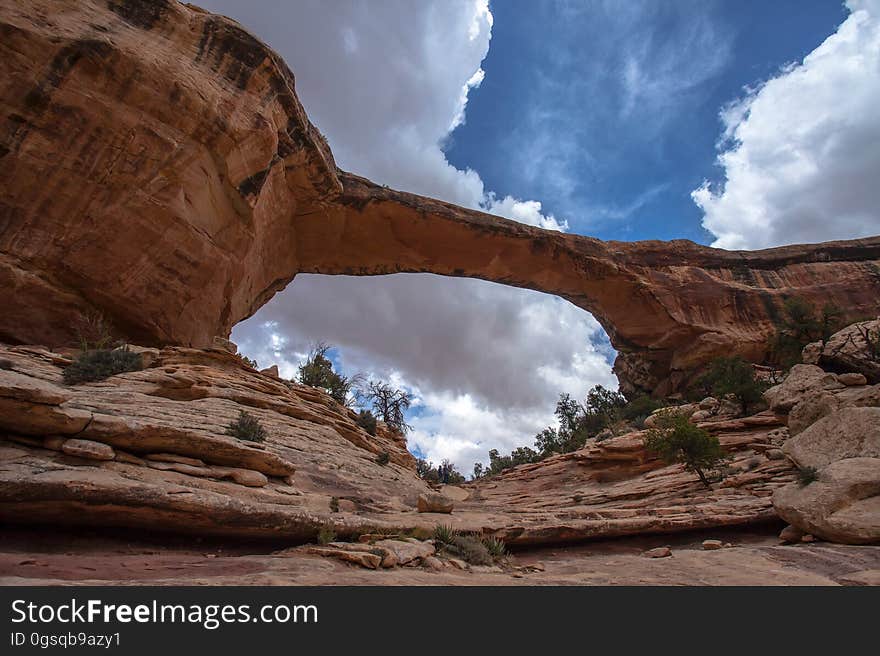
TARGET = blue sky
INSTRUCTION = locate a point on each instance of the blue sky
(555, 90)
(740, 124)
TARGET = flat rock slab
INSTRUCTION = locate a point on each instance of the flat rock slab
(88, 449)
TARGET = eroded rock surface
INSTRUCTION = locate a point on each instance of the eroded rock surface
(843, 504)
(173, 468)
(184, 133)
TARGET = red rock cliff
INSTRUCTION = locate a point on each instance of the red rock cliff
(156, 165)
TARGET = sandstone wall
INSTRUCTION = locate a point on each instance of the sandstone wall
(157, 166)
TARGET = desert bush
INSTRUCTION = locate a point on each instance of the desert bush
(445, 534)
(383, 458)
(495, 547)
(733, 376)
(678, 440)
(801, 324)
(94, 332)
(470, 549)
(478, 471)
(247, 361)
(639, 409)
(317, 371)
(101, 364)
(247, 428)
(389, 404)
(807, 475)
(427, 471)
(605, 403)
(445, 472)
(334, 504)
(367, 421)
(326, 535)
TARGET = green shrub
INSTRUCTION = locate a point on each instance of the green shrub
(247, 428)
(733, 376)
(101, 364)
(807, 475)
(445, 534)
(640, 408)
(334, 504)
(495, 547)
(317, 371)
(326, 535)
(469, 549)
(383, 458)
(247, 361)
(367, 421)
(445, 472)
(678, 440)
(800, 325)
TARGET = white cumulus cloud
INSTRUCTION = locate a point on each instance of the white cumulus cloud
(801, 152)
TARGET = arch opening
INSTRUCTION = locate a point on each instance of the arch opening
(484, 362)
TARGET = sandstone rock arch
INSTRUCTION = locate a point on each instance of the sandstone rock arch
(157, 165)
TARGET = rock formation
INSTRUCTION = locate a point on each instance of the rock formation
(148, 449)
(157, 166)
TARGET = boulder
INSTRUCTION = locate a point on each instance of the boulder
(432, 563)
(247, 477)
(811, 353)
(843, 505)
(88, 449)
(674, 410)
(775, 454)
(802, 379)
(271, 371)
(362, 558)
(710, 403)
(406, 551)
(811, 408)
(847, 433)
(658, 552)
(435, 503)
(791, 534)
(455, 493)
(712, 545)
(852, 379)
(856, 348)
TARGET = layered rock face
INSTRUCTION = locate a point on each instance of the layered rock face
(158, 167)
(148, 449)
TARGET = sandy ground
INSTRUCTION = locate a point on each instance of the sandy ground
(37, 557)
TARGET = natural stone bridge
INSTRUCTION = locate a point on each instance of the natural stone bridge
(156, 165)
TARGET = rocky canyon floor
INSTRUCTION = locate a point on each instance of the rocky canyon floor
(134, 480)
(46, 557)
